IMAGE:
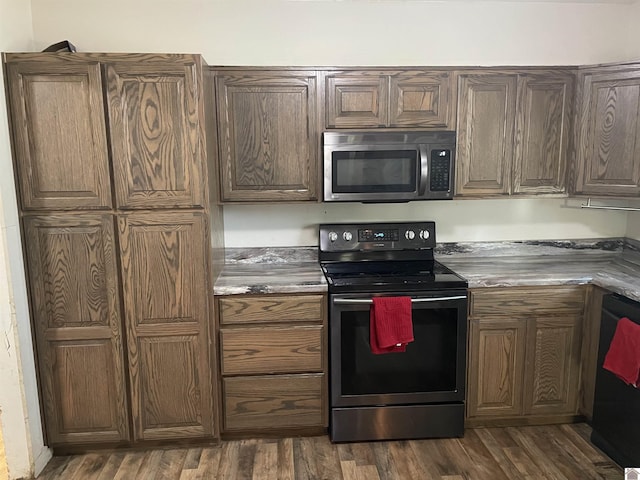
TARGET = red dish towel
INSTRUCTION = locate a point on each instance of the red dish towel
(390, 325)
(623, 357)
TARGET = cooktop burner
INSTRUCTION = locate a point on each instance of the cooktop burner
(383, 257)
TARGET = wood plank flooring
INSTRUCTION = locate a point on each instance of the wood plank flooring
(555, 452)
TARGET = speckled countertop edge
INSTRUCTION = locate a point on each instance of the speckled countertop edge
(613, 264)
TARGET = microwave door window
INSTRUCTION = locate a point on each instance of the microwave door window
(375, 171)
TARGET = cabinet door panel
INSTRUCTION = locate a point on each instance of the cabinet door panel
(486, 117)
(267, 133)
(357, 101)
(73, 281)
(273, 401)
(553, 370)
(542, 133)
(164, 280)
(496, 365)
(60, 138)
(608, 148)
(421, 99)
(155, 134)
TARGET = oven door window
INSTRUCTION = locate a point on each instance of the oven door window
(432, 368)
(375, 171)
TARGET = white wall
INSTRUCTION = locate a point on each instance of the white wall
(19, 410)
(350, 32)
(633, 226)
(456, 220)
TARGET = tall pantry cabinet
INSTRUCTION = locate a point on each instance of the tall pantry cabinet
(111, 167)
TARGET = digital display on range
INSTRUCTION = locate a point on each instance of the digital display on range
(369, 235)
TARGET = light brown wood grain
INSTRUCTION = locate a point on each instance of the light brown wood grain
(518, 301)
(4, 473)
(484, 144)
(166, 312)
(272, 401)
(72, 270)
(58, 120)
(356, 99)
(267, 135)
(608, 132)
(271, 350)
(239, 309)
(155, 133)
(496, 367)
(543, 126)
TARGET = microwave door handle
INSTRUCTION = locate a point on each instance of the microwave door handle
(424, 169)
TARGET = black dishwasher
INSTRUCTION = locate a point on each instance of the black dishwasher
(616, 408)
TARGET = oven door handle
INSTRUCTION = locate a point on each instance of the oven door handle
(358, 301)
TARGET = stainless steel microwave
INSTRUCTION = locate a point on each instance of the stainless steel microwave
(384, 167)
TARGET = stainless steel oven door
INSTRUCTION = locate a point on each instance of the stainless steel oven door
(432, 370)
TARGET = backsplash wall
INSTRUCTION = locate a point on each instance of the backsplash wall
(456, 220)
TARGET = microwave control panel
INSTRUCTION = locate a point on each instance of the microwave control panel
(440, 170)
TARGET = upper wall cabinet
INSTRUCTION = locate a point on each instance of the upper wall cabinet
(60, 143)
(389, 98)
(60, 130)
(608, 131)
(156, 134)
(268, 139)
(513, 132)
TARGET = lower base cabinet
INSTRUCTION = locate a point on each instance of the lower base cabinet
(524, 354)
(273, 362)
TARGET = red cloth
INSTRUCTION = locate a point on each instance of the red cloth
(390, 324)
(623, 357)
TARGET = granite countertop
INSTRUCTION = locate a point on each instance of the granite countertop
(613, 264)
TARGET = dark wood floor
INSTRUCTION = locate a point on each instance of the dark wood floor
(545, 452)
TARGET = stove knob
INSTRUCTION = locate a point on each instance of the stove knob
(333, 236)
(424, 234)
(409, 234)
(347, 236)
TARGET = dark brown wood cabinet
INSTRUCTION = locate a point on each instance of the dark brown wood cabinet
(273, 359)
(76, 313)
(524, 354)
(389, 99)
(149, 249)
(268, 136)
(156, 134)
(608, 131)
(163, 262)
(60, 139)
(513, 132)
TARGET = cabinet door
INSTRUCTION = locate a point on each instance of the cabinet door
(542, 133)
(421, 99)
(155, 126)
(267, 135)
(357, 100)
(75, 299)
(486, 117)
(608, 149)
(60, 142)
(553, 364)
(166, 307)
(496, 366)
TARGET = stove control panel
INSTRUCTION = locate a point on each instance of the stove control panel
(351, 237)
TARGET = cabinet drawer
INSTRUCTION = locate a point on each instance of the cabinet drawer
(303, 308)
(271, 350)
(526, 300)
(273, 401)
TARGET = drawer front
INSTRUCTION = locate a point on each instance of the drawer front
(271, 350)
(240, 309)
(526, 300)
(273, 401)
